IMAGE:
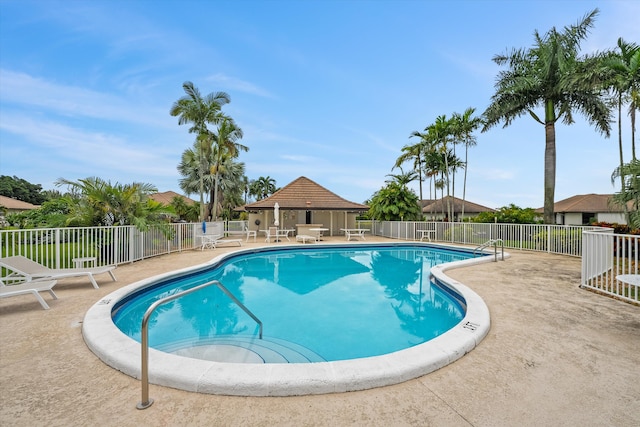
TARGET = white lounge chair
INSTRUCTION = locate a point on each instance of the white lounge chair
(32, 287)
(212, 241)
(304, 238)
(26, 269)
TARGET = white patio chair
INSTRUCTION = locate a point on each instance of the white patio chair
(29, 270)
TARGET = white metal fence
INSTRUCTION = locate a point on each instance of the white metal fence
(57, 247)
(605, 255)
(606, 258)
(557, 239)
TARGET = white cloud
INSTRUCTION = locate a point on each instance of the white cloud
(233, 83)
(26, 90)
(90, 150)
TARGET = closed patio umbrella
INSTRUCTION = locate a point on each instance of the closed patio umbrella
(276, 214)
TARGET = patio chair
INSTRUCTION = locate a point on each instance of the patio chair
(32, 287)
(272, 232)
(251, 233)
(26, 269)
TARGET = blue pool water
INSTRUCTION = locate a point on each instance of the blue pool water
(320, 304)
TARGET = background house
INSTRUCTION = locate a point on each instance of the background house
(14, 206)
(437, 210)
(584, 209)
(167, 197)
(9, 205)
(304, 202)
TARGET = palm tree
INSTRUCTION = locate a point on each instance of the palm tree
(547, 75)
(195, 169)
(432, 170)
(183, 210)
(403, 178)
(413, 152)
(263, 187)
(245, 188)
(394, 203)
(231, 185)
(199, 111)
(101, 203)
(624, 72)
(225, 144)
(465, 124)
(440, 134)
(630, 191)
(228, 170)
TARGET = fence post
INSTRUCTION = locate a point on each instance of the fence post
(57, 246)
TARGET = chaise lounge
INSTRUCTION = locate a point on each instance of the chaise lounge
(304, 238)
(32, 287)
(210, 241)
(28, 270)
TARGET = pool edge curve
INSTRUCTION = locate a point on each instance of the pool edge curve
(122, 353)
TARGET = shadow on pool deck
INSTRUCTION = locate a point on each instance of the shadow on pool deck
(555, 355)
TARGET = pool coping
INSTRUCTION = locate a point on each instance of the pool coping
(123, 353)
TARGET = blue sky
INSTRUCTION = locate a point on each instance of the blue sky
(330, 90)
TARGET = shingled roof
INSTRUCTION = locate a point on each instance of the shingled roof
(587, 203)
(456, 206)
(167, 197)
(304, 194)
(16, 205)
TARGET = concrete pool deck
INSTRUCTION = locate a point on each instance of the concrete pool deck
(555, 355)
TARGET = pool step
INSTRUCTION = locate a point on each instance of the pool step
(244, 349)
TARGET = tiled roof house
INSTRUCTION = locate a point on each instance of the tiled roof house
(15, 206)
(435, 208)
(167, 197)
(305, 202)
(303, 193)
(583, 209)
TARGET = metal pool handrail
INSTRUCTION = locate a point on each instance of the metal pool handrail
(144, 342)
(494, 243)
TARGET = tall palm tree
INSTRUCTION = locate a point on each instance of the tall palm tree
(194, 168)
(225, 144)
(465, 124)
(546, 76)
(245, 188)
(231, 185)
(432, 170)
(414, 153)
(624, 73)
(230, 178)
(440, 134)
(199, 111)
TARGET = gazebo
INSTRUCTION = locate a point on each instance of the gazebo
(305, 204)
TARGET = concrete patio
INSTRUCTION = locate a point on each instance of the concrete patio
(555, 355)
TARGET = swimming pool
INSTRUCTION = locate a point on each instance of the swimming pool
(320, 304)
(259, 379)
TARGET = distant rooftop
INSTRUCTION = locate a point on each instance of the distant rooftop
(167, 197)
(587, 203)
(16, 205)
(305, 194)
(456, 205)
